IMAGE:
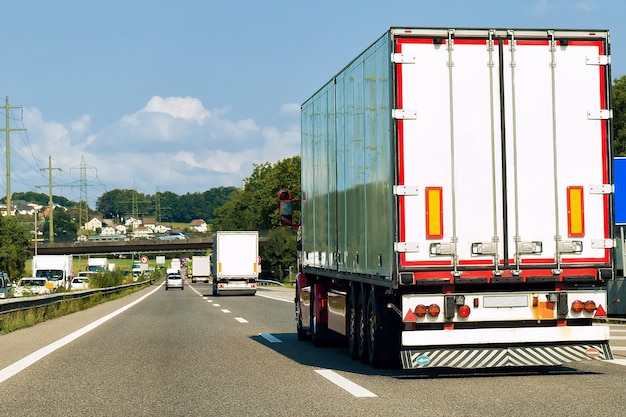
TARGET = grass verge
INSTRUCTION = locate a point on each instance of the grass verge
(16, 320)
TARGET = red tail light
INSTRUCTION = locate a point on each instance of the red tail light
(464, 311)
(433, 310)
(577, 306)
(590, 306)
(420, 310)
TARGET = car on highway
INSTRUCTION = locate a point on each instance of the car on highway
(30, 286)
(79, 283)
(174, 281)
(5, 285)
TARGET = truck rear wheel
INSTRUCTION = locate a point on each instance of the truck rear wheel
(352, 324)
(302, 334)
(362, 327)
(375, 323)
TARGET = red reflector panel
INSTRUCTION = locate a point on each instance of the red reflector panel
(575, 212)
(434, 213)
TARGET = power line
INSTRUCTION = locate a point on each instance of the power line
(7, 131)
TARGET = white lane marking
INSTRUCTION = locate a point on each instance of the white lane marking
(617, 337)
(270, 338)
(27, 361)
(209, 301)
(346, 384)
(225, 311)
(618, 361)
(241, 320)
(274, 298)
(618, 348)
(216, 305)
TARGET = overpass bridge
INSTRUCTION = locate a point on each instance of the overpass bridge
(201, 244)
(144, 246)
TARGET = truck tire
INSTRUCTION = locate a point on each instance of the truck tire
(352, 324)
(375, 323)
(362, 327)
(315, 335)
(302, 334)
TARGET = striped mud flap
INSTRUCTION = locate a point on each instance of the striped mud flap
(501, 356)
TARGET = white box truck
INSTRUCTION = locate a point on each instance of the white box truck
(200, 268)
(97, 264)
(57, 269)
(456, 201)
(235, 262)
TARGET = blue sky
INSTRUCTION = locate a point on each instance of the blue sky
(185, 96)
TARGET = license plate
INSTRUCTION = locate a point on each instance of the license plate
(499, 301)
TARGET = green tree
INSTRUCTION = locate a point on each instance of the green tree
(619, 116)
(65, 229)
(279, 254)
(14, 250)
(255, 207)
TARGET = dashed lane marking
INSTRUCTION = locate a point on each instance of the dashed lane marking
(346, 384)
(225, 310)
(241, 320)
(270, 338)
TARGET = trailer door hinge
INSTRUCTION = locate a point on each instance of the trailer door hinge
(404, 114)
(406, 190)
(601, 189)
(597, 60)
(602, 243)
(403, 59)
(405, 247)
(601, 114)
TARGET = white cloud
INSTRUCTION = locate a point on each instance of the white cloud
(171, 144)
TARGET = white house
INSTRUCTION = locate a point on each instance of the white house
(109, 231)
(161, 229)
(199, 225)
(93, 224)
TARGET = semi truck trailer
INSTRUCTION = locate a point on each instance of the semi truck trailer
(456, 200)
(235, 262)
(200, 268)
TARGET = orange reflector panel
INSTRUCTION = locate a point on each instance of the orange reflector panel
(575, 212)
(219, 267)
(434, 213)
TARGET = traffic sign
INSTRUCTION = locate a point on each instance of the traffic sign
(143, 259)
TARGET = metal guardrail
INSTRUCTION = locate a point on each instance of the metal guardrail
(269, 282)
(10, 305)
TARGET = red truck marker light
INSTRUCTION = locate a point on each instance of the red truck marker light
(464, 310)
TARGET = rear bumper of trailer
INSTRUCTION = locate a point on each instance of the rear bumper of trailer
(490, 348)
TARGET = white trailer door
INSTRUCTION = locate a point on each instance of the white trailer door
(557, 173)
(449, 149)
